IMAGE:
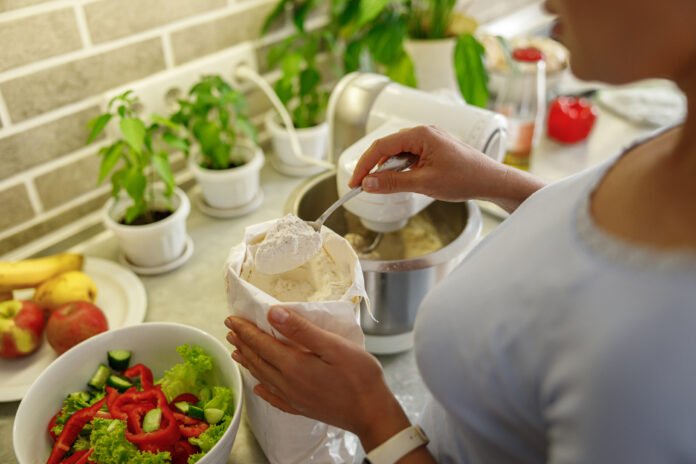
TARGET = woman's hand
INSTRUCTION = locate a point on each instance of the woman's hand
(448, 169)
(319, 375)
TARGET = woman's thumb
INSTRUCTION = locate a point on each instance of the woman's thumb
(391, 182)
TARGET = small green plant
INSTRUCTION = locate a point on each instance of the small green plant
(299, 87)
(214, 116)
(370, 35)
(139, 156)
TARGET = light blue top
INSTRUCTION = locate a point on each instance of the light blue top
(555, 342)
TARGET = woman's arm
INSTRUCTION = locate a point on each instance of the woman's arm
(322, 376)
(447, 170)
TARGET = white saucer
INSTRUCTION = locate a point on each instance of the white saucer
(226, 213)
(170, 266)
(295, 171)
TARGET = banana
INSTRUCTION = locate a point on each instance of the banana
(64, 288)
(29, 273)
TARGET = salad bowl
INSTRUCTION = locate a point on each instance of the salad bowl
(151, 344)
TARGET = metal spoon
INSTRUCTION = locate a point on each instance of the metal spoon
(399, 162)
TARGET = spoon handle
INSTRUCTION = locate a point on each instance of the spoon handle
(338, 203)
(395, 163)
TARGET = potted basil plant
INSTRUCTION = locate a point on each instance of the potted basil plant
(147, 212)
(300, 90)
(222, 149)
(422, 43)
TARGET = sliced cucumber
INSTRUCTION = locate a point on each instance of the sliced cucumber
(152, 420)
(100, 377)
(182, 406)
(196, 412)
(119, 359)
(212, 415)
(119, 383)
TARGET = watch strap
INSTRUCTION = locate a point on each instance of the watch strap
(398, 446)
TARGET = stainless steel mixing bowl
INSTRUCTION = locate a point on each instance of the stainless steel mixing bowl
(395, 287)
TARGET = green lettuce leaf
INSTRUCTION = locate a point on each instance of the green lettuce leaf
(72, 403)
(212, 435)
(111, 447)
(189, 376)
(222, 399)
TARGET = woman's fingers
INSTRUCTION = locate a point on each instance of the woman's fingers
(297, 329)
(407, 140)
(267, 394)
(251, 359)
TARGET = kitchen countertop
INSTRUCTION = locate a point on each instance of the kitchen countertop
(194, 294)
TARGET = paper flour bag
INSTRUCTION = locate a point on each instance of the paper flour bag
(327, 290)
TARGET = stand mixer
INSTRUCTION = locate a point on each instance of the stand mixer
(366, 107)
(363, 108)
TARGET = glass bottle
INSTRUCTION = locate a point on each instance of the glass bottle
(522, 99)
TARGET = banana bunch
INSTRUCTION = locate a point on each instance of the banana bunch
(58, 279)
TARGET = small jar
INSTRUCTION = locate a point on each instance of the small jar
(522, 99)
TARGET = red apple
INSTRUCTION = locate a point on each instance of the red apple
(72, 323)
(21, 326)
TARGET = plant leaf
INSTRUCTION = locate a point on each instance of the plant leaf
(97, 126)
(135, 182)
(385, 41)
(273, 16)
(109, 160)
(117, 182)
(133, 131)
(135, 210)
(176, 142)
(309, 80)
(207, 134)
(283, 88)
(160, 163)
(351, 57)
(165, 122)
(403, 71)
(292, 63)
(369, 10)
(469, 67)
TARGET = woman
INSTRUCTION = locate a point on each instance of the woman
(568, 335)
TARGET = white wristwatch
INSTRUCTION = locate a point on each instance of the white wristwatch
(398, 446)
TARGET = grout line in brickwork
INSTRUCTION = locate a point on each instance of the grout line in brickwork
(4, 116)
(46, 241)
(82, 26)
(55, 211)
(122, 42)
(45, 118)
(34, 198)
(168, 50)
(33, 10)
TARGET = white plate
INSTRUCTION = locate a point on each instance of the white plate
(121, 295)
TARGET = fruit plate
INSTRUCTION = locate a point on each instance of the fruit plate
(121, 295)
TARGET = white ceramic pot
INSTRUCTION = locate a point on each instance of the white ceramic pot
(313, 142)
(234, 187)
(153, 244)
(433, 60)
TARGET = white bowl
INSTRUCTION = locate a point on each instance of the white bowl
(153, 344)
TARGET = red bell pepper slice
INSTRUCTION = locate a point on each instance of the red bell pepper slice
(142, 371)
(119, 408)
(182, 450)
(190, 427)
(72, 428)
(78, 457)
(162, 439)
(51, 424)
(188, 397)
(136, 414)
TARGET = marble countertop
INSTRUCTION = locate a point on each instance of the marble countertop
(194, 294)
